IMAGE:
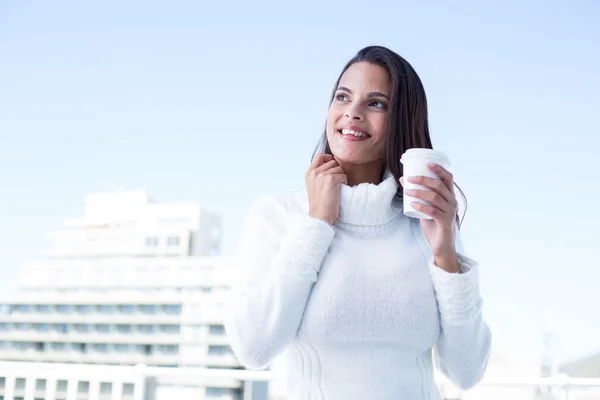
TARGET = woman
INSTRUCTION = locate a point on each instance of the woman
(357, 293)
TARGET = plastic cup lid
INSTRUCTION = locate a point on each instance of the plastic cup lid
(430, 154)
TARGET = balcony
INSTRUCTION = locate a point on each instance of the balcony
(221, 361)
(91, 357)
(133, 319)
(112, 337)
(104, 382)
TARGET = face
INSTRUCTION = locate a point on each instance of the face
(357, 118)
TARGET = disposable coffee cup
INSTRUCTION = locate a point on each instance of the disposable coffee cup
(414, 162)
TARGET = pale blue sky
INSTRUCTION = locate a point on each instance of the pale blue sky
(221, 102)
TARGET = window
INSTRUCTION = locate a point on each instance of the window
(145, 328)
(61, 386)
(44, 308)
(216, 329)
(124, 328)
(169, 328)
(78, 347)
(122, 348)
(217, 350)
(60, 328)
(83, 387)
(59, 346)
(42, 327)
(23, 327)
(24, 308)
(40, 384)
(105, 387)
(151, 241)
(167, 349)
(173, 241)
(20, 384)
(84, 308)
(102, 328)
(172, 309)
(100, 347)
(143, 349)
(215, 391)
(20, 345)
(148, 309)
(128, 389)
(126, 309)
(64, 309)
(3, 327)
(105, 309)
(81, 328)
(39, 346)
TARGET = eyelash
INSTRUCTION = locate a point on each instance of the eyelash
(340, 97)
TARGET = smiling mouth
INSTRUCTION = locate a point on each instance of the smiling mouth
(353, 133)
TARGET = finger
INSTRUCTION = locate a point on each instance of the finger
(434, 184)
(435, 213)
(328, 165)
(432, 197)
(319, 160)
(341, 178)
(334, 171)
(445, 175)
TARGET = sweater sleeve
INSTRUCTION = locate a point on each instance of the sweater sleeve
(463, 349)
(279, 260)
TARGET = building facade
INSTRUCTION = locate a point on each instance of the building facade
(131, 282)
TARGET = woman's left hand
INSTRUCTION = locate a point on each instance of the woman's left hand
(440, 230)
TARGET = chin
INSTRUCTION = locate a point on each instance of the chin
(350, 158)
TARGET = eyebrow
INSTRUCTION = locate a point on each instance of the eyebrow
(371, 94)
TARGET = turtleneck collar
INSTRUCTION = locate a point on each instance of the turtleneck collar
(367, 207)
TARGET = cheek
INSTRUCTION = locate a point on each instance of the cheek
(329, 128)
(380, 125)
(332, 119)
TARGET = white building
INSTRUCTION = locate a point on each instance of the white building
(131, 282)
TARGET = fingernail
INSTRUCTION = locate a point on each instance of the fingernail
(412, 178)
(432, 165)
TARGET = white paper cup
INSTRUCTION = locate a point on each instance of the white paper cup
(414, 163)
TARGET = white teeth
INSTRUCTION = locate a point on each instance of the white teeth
(353, 133)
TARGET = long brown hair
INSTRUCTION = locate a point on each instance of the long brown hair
(408, 125)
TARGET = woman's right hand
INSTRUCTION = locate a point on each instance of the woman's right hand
(323, 180)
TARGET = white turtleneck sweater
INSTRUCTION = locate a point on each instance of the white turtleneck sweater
(359, 306)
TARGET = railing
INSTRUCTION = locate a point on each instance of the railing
(75, 381)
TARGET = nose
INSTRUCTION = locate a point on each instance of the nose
(354, 112)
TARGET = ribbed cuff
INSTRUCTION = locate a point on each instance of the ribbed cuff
(305, 245)
(458, 296)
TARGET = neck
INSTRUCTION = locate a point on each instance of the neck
(362, 173)
(368, 208)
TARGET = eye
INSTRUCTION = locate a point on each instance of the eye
(341, 97)
(379, 104)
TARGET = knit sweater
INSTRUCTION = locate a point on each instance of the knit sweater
(360, 307)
